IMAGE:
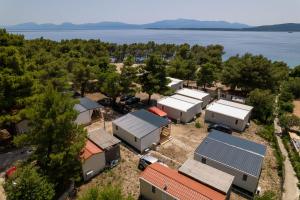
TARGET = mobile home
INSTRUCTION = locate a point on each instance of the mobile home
(109, 144)
(141, 129)
(93, 160)
(229, 113)
(241, 158)
(208, 175)
(159, 182)
(195, 94)
(88, 110)
(181, 111)
(175, 83)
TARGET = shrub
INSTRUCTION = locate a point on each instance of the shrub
(198, 124)
(267, 195)
(267, 132)
(28, 184)
(108, 192)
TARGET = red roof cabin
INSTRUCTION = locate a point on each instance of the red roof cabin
(160, 182)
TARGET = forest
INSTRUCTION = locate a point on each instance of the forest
(38, 78)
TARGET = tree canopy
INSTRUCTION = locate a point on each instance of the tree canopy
(153, 76)
(28, 184)
(56, 138)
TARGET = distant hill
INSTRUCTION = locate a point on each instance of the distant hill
(188, 23)
(177, 24)
(165, 24)
(289, 27)
(70, 26)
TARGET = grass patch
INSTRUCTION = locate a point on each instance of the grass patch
(267, 132)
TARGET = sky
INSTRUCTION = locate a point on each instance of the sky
(251, 12)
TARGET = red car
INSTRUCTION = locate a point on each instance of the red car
(10, 171)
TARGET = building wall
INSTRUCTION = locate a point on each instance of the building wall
(205, 100)
(94, 163)
(176, 114)
(177, 86)
(127, 137)
(146, 192)
(148, 140)
(112, 154)
(232, 122)
(250, 184)
(84, 117)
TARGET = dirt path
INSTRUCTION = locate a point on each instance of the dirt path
(2, 194)
(291, 191)
(297, 107)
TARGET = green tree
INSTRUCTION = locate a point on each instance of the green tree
(176, 68)
(295, 72)
(56, 138)
(15, 84)
(253, 72)
(263, 103)
(129, 60)
(206, 75)
(111, 85)
(153, 78)
(292, 86)
(287, 121)
(128, 79)
(108, 192)
(28, 184)
(81, 76)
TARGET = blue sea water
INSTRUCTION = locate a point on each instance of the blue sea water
(280, 46)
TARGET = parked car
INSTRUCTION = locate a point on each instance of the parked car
(220, 127)
(123, 109)
(132, 100)
(146, 160)
(129, 99)
(105, 102)
(125, 97)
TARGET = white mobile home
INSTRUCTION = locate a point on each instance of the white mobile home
(228, 113)
(93, 160)
(108, 143)
(88, 110)
(176, 109)
(141, 129)
(175, 83)
(195, 94)
(241, 158)
(198, 103)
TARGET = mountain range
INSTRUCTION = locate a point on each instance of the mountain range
(186, 24)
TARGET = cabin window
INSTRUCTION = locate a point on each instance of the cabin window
(153, 189)
(135, 139)
(203, 160)
(117, 127)
(245, 177)
(236, 121)
(180, 114)
(212, 115)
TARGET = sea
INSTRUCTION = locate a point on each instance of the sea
(277, 46)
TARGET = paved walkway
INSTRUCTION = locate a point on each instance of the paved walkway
(290, 188)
